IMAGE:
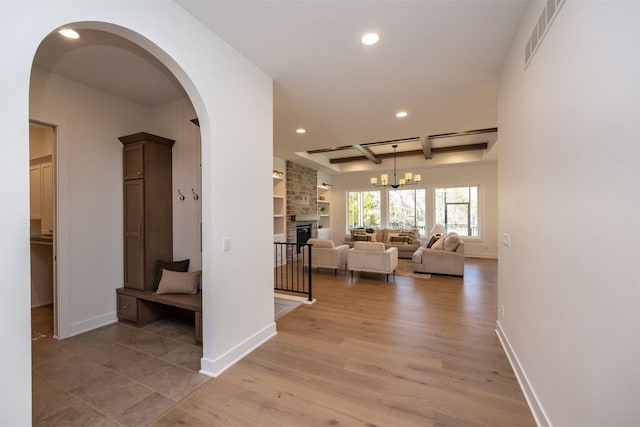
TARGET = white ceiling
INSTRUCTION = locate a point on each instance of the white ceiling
(325, 80)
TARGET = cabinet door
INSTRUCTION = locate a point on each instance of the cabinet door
(47, 198)
(133, 161)
(134, 234)
(34, 187)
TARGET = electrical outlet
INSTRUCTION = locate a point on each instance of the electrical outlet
(506, 240)
(502, 311)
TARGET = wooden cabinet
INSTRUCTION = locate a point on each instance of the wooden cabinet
(148, 219)
(46, 213)
(35, 185)
(41, 195)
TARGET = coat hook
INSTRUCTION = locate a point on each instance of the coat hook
(195, 196)
(181, 195)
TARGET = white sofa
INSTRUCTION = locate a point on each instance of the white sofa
(445, 257)
(407, 240)
(372, 257)
(324, 254)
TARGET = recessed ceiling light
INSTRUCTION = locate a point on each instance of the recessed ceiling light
(401, 114)
(301, 130)
(370, 38)
(69, 33)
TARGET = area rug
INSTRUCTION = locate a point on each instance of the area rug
(405, 268)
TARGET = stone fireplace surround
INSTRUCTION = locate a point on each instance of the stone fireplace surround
(302, 203)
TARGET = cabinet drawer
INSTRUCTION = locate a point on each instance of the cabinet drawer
(127, 308)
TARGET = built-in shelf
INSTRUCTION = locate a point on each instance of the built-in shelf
(279, 208)
(324, 210)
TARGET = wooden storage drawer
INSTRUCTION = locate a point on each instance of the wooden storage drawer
(127, 308)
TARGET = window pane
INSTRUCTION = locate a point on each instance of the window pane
(364, 209)
(407, 209)
(354, 209)
(457, 209)
(459, 194)
(439, 217)
(458, 218)
(371, 209)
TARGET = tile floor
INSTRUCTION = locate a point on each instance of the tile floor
(118, 375)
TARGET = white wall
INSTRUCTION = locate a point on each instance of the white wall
(173, 120)
(483, 175)
(227, 92)
(569, 170)
(89, 162)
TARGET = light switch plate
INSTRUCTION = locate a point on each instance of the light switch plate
(226, 244)
(506, 240)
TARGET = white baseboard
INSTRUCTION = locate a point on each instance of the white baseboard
(214, 368)
(90, 324)
(532, 399)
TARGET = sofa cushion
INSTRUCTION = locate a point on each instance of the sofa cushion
(321, 243)
(369, 246)
(451, 242)
(357, 231)
(438, 245)
(400, 239)
(413, 234)
(361, 238)
(432, 241)
(391, 235)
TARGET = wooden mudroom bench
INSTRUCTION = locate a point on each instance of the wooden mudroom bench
(142, 307)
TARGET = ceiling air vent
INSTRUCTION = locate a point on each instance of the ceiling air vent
(549, 12)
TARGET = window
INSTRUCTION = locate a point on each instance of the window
(364, 209)
(407, 209)
(457, 209)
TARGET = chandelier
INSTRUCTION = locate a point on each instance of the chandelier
(409, 178)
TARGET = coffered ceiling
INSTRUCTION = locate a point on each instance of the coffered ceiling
(439, 60)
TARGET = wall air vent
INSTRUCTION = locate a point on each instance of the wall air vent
(547, 16)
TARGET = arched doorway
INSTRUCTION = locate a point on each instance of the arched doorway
(221, 83)
(90, 83)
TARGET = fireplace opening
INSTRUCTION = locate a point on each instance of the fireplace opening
(303, 233)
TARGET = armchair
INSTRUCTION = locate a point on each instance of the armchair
(324, 254)
(372, 257)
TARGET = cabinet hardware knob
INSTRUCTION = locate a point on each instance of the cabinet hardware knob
(124, 307)
(181, 195)
(195, 195)
(139, 173)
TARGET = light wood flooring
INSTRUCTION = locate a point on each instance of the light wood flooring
(414, 352)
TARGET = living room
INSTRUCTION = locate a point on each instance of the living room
(567, 123)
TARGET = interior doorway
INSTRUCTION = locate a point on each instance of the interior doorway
(42, 219)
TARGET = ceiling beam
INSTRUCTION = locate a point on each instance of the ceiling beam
(464, 133)
(426, 147)
(366, 144)
(436, 150)
(368, 153)
(394, 141)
